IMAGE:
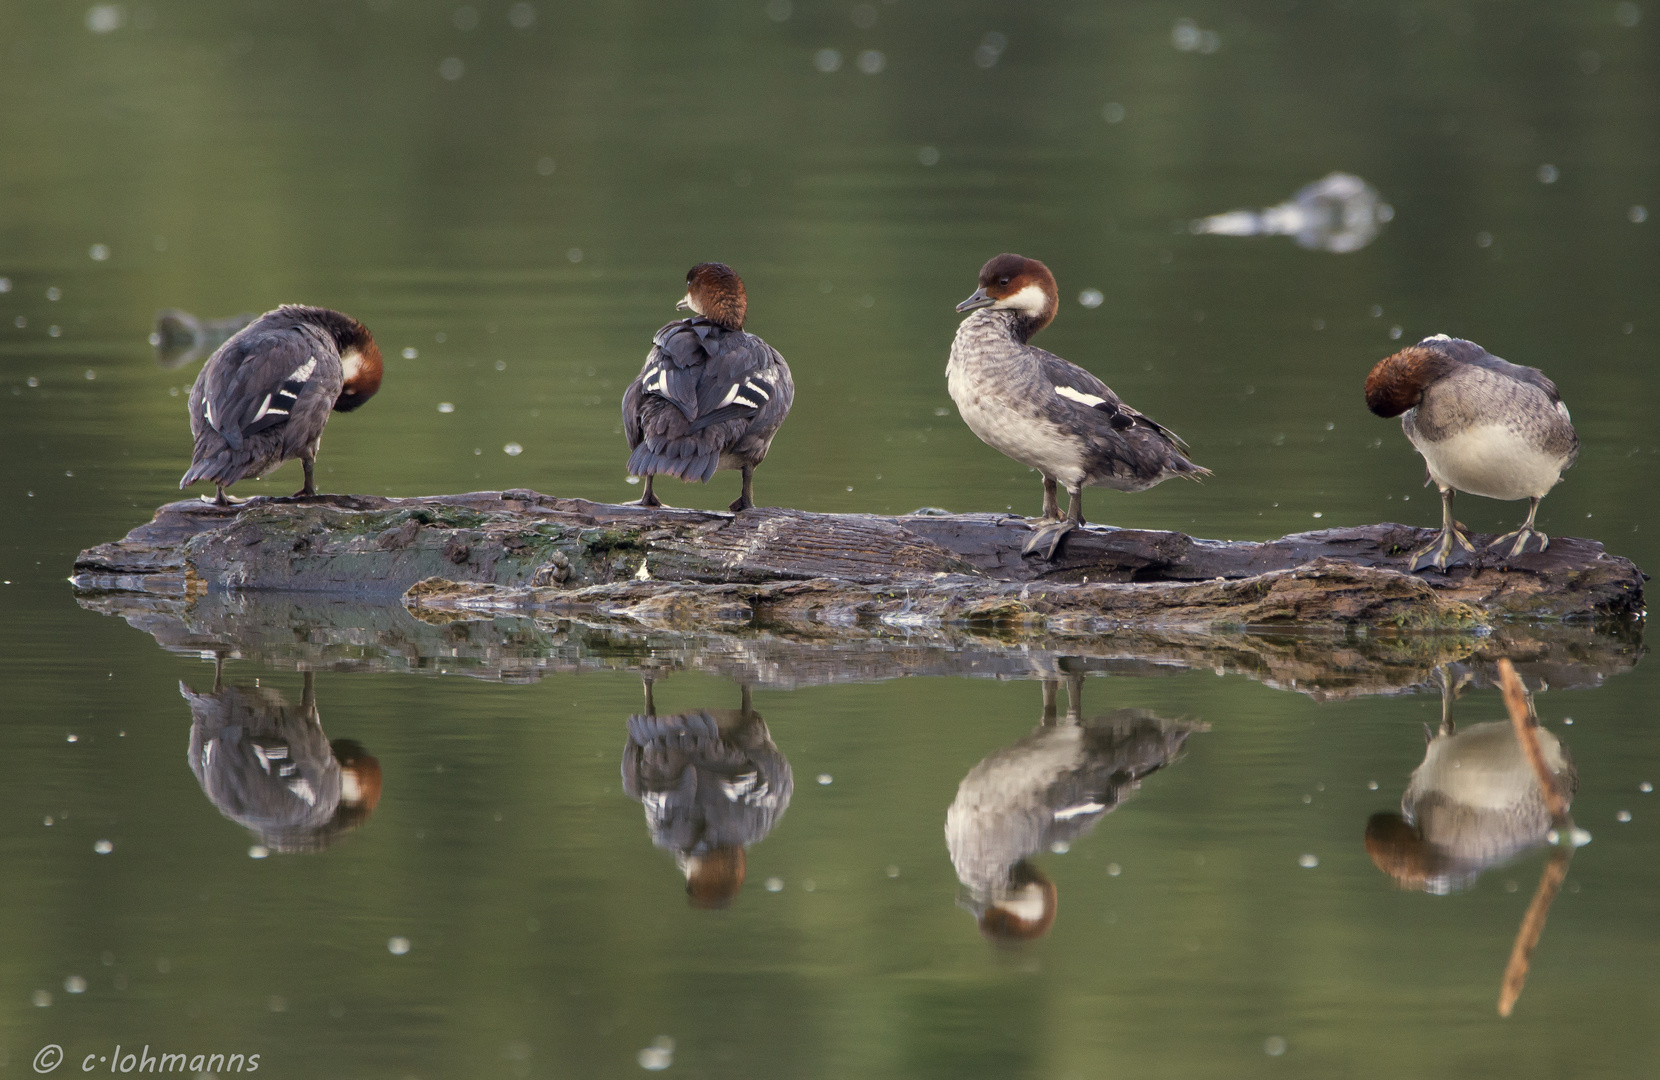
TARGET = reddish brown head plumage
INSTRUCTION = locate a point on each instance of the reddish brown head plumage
(1022, 285)
(1003, 924)
(715, 291)
(359, 355)
(1397, 382)
(713, 879)
(1398, 849)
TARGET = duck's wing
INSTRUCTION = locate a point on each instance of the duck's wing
(264, 377)
(1468, 352)
(1085, 398)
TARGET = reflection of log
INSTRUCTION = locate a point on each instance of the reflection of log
(290, 630)
(570, 555)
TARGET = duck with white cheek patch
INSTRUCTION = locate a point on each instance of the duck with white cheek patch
(263, 396)
(710, 396)
(1483, 425)
(1044, 412)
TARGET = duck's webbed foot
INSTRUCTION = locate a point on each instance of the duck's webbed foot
(1521, 536)
(746, 497)
(1523, 533)
(222, 499)
(1046, 539)
(648, 497)
(1439, 550)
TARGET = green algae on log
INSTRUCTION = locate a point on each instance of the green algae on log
(521, 551)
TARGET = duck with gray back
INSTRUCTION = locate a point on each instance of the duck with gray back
(710, 396)
(1483, 425)
(1045, 412)
(263, 396)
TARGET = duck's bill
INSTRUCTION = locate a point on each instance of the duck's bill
(977, 301)
(685, 303)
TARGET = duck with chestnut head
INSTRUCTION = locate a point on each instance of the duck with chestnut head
(264, 396)
(710, 395)
(1045, 412)
(1483, 425)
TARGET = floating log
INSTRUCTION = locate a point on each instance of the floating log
(519, 550)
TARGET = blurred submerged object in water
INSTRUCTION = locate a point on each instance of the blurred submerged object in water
(712, 783)
(181, 338)
(1339, 213)
(269, 767)
(1040, 794)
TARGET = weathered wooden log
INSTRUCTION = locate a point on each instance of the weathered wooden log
(519, 550)
(317, 632)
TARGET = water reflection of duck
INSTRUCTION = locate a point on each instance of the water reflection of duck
(1050, 787)
(264, 396)
(710, 396)
(269, 767)
(1043, 411)
(1473, 803)
(712, 783)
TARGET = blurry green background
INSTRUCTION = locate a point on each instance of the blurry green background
(514, 192)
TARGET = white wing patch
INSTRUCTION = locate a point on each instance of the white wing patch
(735, 396)
(1080, 397)
(1079, 810)
(652, 381)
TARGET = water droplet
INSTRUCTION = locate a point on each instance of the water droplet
(1113, 869)
(501, 365)
(1371, 785)
(1627, 14)
(1484, 239)
(31, 381)
(1273, 1046)
(1394, 333)
(546, 166)
(465, 18)
(827, 60)
(1113, 113)
(258, 851)
(1637, 214)
(54, 294)
(1091, 298)
(825, 778)
(42, 998)
(20, 322)
(512, 449)
(574, 255)
(1548, 174)
(1623, 815)
(103, 847)
(809, 885)
(73, 738)
(1318, 513)
(521, 16)
(658, 1056)
(446, 406)
(942, 411)
(775, 884)
(276, 1003)
(872, 61)
(75, 984)
(1060, 847)
(104, 18)
(410, 353)
(397, 946)
(452, 68)
(893, 871)
(99, 252)
(1308, 862)
(928, 155)
(1645, 787)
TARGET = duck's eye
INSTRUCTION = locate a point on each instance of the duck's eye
(1002, 281)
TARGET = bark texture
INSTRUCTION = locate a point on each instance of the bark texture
(519, 551)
